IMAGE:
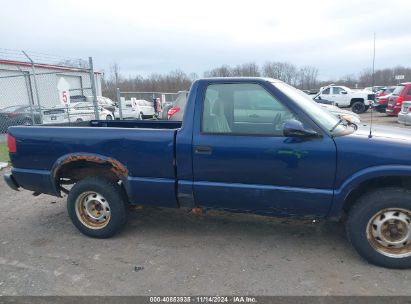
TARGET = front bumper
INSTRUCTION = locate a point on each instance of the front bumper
(404, 118)
(11, 182)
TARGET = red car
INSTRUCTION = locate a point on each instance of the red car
(402, 92)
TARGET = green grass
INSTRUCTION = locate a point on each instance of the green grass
(4, 153)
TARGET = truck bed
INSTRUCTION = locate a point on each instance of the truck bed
(145, 148)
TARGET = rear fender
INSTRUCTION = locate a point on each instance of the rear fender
(116, 167)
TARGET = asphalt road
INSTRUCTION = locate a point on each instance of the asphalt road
(172, 252)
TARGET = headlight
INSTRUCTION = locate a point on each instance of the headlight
(351, 119)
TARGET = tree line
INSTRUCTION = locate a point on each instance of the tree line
(305, 77)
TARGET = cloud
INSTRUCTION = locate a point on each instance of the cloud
(157, 36)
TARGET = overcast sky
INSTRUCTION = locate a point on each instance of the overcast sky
(158, 36)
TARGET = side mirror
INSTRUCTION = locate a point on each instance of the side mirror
(343, 92)
(295, 128)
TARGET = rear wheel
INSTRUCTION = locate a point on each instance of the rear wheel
(379, 227)
(97, 207)
(109, 117)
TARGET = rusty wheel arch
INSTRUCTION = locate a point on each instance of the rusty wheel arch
(77, 166)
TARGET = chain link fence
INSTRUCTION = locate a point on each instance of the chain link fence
(45, 92)
(39, 89)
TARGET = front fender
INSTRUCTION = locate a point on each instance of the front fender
(341, 194)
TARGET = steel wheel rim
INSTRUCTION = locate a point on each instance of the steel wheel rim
(389, 232)
(93, 210)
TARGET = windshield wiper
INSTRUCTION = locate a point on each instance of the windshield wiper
(337, 124)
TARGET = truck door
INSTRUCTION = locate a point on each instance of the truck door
(340, 96)
(242, 161)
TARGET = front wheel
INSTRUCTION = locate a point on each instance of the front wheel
(97, 207)
(379, 227)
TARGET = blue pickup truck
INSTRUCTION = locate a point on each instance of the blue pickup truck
(253, 145)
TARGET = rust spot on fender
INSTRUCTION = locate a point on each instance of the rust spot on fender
(197, 211)
(116, 167)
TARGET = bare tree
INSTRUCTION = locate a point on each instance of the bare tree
(222, 71)
(307, 77)
(284, 71)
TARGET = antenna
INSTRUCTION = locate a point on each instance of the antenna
(373, 83)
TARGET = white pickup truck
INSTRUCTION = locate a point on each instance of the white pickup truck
(342, 96)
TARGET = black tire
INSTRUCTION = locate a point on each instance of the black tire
(360, 226)
(114, 196)
(358, 107)
(79, 120)
(109, 117)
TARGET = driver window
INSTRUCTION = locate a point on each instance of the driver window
(243, 109)
(337, 90)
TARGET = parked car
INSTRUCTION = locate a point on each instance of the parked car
(166, 107)
(102, 101)
(342, 96)
(135, 109)
(375, 89)
(253, 145)
(178, 102)
(401, 93)
(385, 91)
(381, 103)
(176, 113)
(404, 116)
(75, 112)
(145, 107)
(18, 115)
(349, 116)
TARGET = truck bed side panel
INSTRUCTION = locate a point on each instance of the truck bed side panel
(148, 155)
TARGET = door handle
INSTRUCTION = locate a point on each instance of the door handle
(254, 116)
(203, 150)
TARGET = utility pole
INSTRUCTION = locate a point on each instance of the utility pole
(35, 85)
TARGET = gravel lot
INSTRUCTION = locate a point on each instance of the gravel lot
(172, 252)
(381, 119)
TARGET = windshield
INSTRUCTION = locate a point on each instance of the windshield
(397, 90)
(316, 112)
